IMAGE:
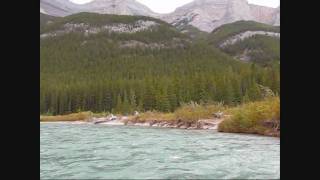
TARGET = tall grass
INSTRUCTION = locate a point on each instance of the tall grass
(262, 117)
(81, 116)
(193, 112)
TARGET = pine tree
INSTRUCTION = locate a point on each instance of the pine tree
(133, 101)
(119, 106)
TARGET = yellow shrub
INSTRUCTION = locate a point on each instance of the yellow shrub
(250, 117)
(192, 112)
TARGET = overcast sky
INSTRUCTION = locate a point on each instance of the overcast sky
(167, 6)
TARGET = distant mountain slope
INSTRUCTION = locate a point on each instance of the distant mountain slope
(222, 33)
(118, 7)
(259, 49)
(248, 41)
(143, 30)
(58, 7)
(266, 15)
(207, 15)
(122, 63)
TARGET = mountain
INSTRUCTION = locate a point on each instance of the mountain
(118, 63)
(207, 15)
(58, 7)
(265, 15)
(248, 41)
(122, 30)
(118, 7)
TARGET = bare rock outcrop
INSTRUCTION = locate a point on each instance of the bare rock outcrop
(207, 15)
(247, 34)
(140, 25)
(120, 7)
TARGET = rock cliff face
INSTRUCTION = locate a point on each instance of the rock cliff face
(210, 14)
(119, 7)
(240, 37)
(265, 15)
(205, 15)
(58, 7)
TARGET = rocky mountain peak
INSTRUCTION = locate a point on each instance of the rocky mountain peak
(210, 14)
(119, 7)
(205, 15)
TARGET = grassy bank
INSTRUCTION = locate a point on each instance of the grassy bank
(187, 113)
(81, 116)
(262, 117)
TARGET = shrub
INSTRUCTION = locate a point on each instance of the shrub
(253, 117)
(192, 112)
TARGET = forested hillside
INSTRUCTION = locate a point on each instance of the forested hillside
(223, 32)
(260, 48)
(156, 68)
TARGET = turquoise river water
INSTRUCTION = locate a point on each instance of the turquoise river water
(85, 151)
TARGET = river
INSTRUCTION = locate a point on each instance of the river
(86, 151)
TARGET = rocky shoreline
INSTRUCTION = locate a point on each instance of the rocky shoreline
(202, 124)
(206, 124)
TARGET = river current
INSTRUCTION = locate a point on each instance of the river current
(86, 151)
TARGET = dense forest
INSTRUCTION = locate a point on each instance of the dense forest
(80, 73)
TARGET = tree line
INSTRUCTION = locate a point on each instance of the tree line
(93, 73)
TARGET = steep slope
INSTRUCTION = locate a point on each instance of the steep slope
(128, 31)
(125, 63)
(265, 15)
(207, 15)
(118, 7)
(58, 7)
(248, 41)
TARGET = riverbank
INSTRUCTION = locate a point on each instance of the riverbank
(261, 117)
(208, 124)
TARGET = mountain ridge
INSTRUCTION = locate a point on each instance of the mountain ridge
(206, 15)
